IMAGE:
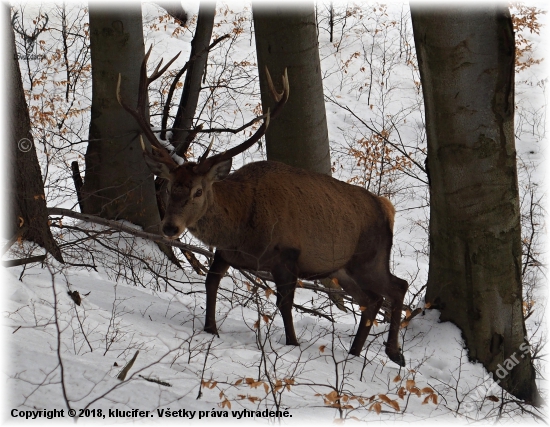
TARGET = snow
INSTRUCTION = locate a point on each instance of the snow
(61, 354)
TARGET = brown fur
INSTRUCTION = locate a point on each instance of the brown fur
(272, 217)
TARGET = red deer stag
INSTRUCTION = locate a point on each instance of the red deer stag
(268, 216)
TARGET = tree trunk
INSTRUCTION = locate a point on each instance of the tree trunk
(466, 60)
(193, 76)
(117, 184)
(287, 37)
(28, 218)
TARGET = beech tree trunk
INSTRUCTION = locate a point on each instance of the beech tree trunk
(27, 215)
(286, 37)
(466, 60)
(117, 184)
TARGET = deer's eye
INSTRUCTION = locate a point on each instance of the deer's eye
(198, 193)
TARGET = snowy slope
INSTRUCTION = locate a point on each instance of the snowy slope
(62, 355)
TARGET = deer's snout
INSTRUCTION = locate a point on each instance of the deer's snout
(170, 230)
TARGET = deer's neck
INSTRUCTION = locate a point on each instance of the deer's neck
(220, 225)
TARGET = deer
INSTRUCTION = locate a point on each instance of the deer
(293, 223)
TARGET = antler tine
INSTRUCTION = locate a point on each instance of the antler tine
(139, 113)
(283, 97)
(156, 74)
(206, 164)
(272, 89)
(205, 155)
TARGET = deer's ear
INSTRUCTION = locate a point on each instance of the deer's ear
(219, 171)
(160, 169)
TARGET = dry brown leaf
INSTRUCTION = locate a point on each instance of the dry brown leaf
(332, 396)
(427, 390)
(401, 393)
(256, 324)
(268, 292)
(415, 390)
(397, 379)
(377, 407)
(409, 384)
(492, 398)
(395, 405)
(426, 400)
(434, 398)
(322, 348)
(428, 305)
(238, 382)
(384, 398)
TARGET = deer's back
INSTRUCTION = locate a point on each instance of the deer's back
(326, 220)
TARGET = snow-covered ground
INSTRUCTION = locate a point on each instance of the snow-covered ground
(63, 356)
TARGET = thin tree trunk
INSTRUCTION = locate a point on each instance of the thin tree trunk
(466, 60)
(192, 86)
(28, 218)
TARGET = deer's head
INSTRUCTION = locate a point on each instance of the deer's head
(190, 184)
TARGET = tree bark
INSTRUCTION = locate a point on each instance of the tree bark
(287, 38)
(28, 218)
(117, 184)
(193, 77)
(466, 61)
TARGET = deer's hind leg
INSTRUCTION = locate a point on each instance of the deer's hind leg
(395, 293)
(285, 274)
(386, 285)
(371, 303)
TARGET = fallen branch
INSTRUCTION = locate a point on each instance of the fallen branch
(16, 262)
(118, 226)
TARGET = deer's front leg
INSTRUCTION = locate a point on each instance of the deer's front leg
(217, 271)
(285, 276)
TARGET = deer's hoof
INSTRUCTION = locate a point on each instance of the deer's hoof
(397, 358)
